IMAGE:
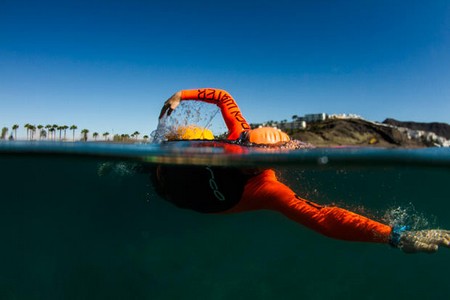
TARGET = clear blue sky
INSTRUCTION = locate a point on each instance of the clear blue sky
(109, 65)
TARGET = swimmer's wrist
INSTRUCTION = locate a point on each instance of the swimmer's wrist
(396, 235)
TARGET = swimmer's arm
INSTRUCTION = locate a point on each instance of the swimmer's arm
(336, 222)
(342, 224)
(264, 191)
(231, 113)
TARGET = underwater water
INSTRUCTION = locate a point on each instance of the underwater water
(78, 222)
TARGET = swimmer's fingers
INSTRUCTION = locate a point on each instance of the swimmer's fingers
(427, 241)
(414, 241)
(170, 105)
(419, 246)
(437, 237)
(442, 238)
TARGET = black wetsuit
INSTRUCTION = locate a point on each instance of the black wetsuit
(201, 188)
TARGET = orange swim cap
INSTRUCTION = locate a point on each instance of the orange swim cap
(191, 132)
(267, 136)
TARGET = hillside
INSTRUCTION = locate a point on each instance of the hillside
(355, 132)
(440, 129)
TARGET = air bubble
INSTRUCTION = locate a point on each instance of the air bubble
(323, 160)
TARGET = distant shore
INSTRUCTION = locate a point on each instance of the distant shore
(344, 132)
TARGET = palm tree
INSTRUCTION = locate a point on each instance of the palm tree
(43, 134)
(48, 127)
(73, 128)
(15, 127)
(28, 129)
(55, 127)
(65, 127)
(145, 138)
(40, 130)
(60, 128)
(51, 131)
(136, 134)
(85, 132)
(32, 129)
(95, 135)
(105, 135)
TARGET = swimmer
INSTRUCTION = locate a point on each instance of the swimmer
(232, 190)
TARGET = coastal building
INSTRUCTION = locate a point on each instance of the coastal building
(430, 137)
(344, 116)
(315, 117)
(296, 124)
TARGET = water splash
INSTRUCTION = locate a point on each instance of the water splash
(409, 216)
(189, 113)
(117, 169)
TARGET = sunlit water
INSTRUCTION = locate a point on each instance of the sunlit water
(78, 222)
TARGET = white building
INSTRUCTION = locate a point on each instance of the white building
(298, 124)
(344, 116)
(315, 117)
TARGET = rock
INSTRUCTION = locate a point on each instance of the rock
(356, 132)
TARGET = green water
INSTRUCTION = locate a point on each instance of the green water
(69, 233)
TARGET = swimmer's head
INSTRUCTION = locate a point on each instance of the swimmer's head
(190, 132)
(265, 136)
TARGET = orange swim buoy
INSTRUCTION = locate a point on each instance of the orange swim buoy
(267, 136)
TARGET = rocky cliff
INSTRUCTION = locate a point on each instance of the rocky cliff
(357, 132)
(440, 129)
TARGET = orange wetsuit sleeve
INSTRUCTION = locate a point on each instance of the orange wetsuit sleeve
(264, 191)
(231, 113)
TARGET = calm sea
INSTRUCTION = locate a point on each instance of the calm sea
(78, 222)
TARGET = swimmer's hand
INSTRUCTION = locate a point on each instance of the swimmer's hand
(171, 104)
(427, 241)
